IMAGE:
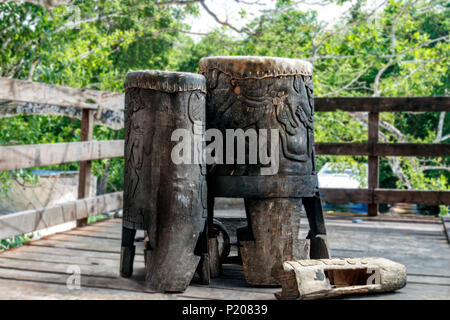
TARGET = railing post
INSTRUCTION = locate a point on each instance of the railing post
(84, 178)
(373, 161)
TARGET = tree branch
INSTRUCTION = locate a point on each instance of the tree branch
(32, 68)
(75, 24)
(349, 84)
(169, 3)
(376, 84)
(440, 128)
(224, 23)
(337, 31)
(426, 168)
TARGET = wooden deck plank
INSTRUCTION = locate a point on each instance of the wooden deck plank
(134, 284)
(50, 252)
(109, 270)
(93, 236)
(412, 291)
(67, 259)
(39, 269)
(95, 243)
(18, 290)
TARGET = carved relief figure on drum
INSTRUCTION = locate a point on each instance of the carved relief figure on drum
(263, 99)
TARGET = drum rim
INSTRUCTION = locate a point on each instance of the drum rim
(165, 81)
(256, 67)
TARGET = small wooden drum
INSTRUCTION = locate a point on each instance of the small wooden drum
(166, 199)
(266, 94)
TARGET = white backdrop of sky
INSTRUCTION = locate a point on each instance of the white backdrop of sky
(228, 10)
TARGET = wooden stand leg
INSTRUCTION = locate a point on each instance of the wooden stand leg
(215, 265)
(206, 265)
(270, 239)
(127, 252)
(317, 232)
(203, 267)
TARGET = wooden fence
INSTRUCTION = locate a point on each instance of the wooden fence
(373, 149)
(28, 156)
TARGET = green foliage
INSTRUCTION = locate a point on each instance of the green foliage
(14, 242)
(443, 210)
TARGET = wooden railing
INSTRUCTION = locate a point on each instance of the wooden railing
(28, 156)
(373, 149)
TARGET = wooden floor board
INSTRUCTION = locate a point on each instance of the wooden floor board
(40, 269)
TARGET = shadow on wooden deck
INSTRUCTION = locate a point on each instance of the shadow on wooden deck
(41, 269)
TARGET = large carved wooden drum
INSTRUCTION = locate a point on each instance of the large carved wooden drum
(167, 199)
(272, 98)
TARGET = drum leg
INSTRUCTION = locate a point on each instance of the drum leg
(244, 234)
(317, 233)
(203, 267)
(127, 252)
(270, 238)
(215, 265)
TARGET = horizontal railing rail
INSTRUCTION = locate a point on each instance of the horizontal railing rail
(36, 155)
(43, 93)
(37, 219)
(39, 155)
(383, 104)
(385, 196)
(383, 149)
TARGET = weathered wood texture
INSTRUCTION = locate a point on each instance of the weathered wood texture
(383, 149)
(383, 104)
(162, 196)
(412, 196)
(343, 195)
(215, 264)
(423, 197)
(109, 118)
(262, 93)
(39, 270)
(28, 91)
(29, 156)
(323, 278)
(32, 220)
(84, 177)
(273, 227)
(373, 160)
